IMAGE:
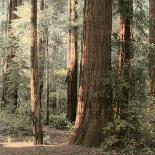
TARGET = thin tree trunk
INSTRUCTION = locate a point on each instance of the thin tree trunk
(125, 52)
(94, 101)
(72, 72)
(35, 103)
(47, 80)
(41, 55)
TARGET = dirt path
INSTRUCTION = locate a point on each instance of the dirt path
(58, 146)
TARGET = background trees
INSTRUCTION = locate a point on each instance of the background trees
(10, 93)
(114, 66)
(126, 51)
(152, 42)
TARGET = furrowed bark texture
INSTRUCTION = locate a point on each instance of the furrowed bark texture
(94, 100)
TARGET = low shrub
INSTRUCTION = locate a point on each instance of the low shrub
(17, 123)
(59, 121)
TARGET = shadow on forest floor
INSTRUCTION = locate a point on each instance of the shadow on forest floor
(58, 146)
(29, 149)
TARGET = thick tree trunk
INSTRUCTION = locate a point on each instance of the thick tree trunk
(72, 72)
(95, 99)
(152, 48)
(125, 52)
(36, 112)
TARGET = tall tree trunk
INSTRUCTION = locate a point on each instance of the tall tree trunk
(152, 49)
(72, 72)
(41, 55)
(36, 112)
(10, 92)
(125, 52)
(95, 95)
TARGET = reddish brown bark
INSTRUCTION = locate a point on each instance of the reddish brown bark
(72, 72)
(94, 100)
(34, 79)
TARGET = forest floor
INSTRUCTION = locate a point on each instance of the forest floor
(57, 140)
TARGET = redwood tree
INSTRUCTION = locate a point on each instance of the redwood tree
(72, 63)
(94, 100)
(35, 102)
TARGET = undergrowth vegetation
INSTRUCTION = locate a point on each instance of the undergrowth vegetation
(133, 135)
(18, 122)
(60, 121)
